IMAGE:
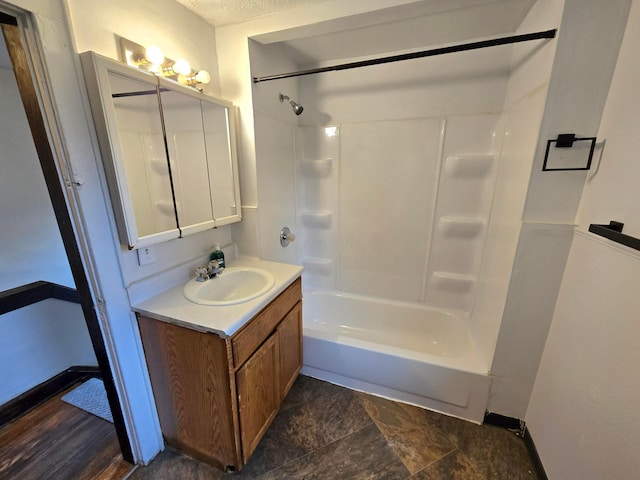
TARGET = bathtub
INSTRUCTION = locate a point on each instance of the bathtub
(406, 352)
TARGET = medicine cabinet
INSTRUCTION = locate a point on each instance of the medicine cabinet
(169, 153)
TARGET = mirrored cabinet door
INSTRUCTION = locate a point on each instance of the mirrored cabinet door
(126, 110)
(135, 105)
(218, 123)
(182, 114)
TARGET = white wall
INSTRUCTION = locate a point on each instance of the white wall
(44, 339)
(32, 248)
(583, 410)
(275, 128)
(165, 23)
(39, 341)
(611, 189)
(588, 39)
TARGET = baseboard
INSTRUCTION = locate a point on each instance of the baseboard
(35, 292)
(510, 423)
(46, 390)
(535, 458)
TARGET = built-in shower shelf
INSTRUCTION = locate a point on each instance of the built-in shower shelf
(460, 227)
(470, 166)
(453, 282)
(317, 219)
(319, 266)
(316, 168)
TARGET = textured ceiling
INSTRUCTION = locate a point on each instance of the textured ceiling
(225, 12)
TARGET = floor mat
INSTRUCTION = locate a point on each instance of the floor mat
(90, 397)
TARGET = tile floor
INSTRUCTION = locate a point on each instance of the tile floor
(328, 432)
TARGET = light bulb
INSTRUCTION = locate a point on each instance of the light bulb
(150, 56)
(154, 55)
(203, 77)
(181, 67)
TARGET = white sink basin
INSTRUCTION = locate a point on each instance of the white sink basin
(234, 285)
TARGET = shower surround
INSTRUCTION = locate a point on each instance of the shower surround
(397, 209)
(393, 218)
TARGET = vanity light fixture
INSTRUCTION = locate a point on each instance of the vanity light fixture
(153, 60)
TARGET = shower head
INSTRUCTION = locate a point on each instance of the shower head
(297, 108)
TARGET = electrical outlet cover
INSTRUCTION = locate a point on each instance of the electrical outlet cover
(146, 256)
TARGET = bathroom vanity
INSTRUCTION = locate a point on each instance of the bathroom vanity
(219, 381)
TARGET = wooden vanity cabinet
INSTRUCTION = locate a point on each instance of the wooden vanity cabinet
(217, 396)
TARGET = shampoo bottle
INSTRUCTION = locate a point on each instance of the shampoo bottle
(218, 255)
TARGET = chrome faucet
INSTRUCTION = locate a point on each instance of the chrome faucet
(211, 270)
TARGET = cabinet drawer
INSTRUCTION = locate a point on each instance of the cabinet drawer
(249, 338)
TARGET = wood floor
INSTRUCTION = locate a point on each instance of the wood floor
(59, 441)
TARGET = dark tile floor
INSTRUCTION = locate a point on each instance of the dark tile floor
(328, 432)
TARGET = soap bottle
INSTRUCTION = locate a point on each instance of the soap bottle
(218, 255)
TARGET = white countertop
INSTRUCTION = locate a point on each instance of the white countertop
(171, 306)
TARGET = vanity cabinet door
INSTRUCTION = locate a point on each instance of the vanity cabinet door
(258, 394)
(189, 373)
(290, 346)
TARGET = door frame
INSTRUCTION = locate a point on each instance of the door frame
(30, 76)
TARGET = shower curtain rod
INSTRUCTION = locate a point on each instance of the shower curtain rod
(410, 56)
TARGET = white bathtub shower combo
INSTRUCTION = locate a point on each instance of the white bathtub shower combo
(390, 314)
(405, 185)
